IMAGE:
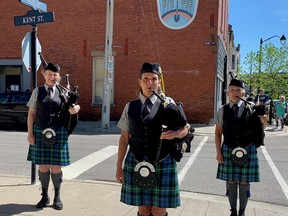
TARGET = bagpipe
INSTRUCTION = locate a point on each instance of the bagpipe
(255, 124)
(173, 118)
(69, 96)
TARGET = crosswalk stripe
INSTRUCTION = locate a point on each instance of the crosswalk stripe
(77, 168)
(191, 160)
(276, 172)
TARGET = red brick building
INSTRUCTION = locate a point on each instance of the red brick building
(194, 59)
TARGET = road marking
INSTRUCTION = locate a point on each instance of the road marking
(277, 174)
(191, 160)
(77, 168)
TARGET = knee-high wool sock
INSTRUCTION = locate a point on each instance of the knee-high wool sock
(57, 179)
(244, 194)
(232, 189)
(44, 178)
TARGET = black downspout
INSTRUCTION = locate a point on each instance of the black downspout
(224, 98)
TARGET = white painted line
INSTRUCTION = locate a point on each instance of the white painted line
(77, 168)
(191, 160)
(277, 174)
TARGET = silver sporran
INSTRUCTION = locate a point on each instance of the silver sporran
(239, 156)
(144, 175)
(48, 137)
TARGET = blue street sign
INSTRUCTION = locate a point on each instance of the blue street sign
(35, 4)
(33, 18)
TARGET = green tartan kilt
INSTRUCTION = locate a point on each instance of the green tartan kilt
(58, 154)
(228, 171)
(164, 195)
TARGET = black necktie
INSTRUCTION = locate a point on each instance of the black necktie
(147, 108)
(235, 109)
(50, 92)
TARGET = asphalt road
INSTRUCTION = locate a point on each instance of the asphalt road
(94, 158)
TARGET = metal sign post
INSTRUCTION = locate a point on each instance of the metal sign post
(33, 66)
(33, 54)
(33, 18)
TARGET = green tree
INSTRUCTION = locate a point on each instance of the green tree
(272, 74)
(249, 76)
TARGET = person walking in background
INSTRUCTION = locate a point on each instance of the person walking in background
(47, 133)
(153, 187)
(261, 97)
(237, 158)
(280, 109)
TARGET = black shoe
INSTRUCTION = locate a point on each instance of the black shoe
(241, 212)
(233, 212)
(43, 202)
(57, 204)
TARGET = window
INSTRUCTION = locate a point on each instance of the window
(233, 62)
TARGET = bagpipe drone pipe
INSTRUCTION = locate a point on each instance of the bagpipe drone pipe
(173, 118)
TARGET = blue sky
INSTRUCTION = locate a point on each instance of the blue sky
(252, 20)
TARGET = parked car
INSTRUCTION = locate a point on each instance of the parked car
(13, 110)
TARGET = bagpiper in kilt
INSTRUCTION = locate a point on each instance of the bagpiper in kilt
(242, 131)
(146, 163)
(229, 171)
(47, 133)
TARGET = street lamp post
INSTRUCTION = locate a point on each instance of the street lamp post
(282, 41)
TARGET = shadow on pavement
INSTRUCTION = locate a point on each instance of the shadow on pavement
(15, 209)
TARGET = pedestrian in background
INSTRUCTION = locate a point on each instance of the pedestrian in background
(261, 97)
(237, 158)
(47, 134)
(280, 109)
(142, 131)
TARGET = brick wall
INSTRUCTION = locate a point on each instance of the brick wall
(189, 66)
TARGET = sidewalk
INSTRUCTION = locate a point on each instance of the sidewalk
(96, 198)
(92, 127)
